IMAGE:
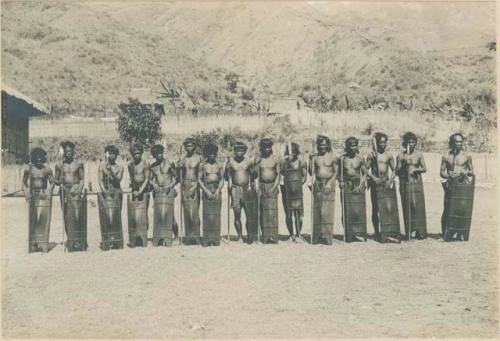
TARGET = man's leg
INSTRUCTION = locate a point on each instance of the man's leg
(237, 222)
(298, 222)
(175, 228)
(375, 218)
(289, 222)
(444, 215)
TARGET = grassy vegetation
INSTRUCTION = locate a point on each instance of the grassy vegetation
(301, 127)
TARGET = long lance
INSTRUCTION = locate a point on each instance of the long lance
(226, 166)
(107, 162)
(342, 193)
(452, 170)
(289, 155)
(182, 201)
(313, 178)
(61, 188)
(258, 199)
(409, 191)
(374, 146)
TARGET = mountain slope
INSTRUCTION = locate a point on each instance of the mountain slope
(382, 52)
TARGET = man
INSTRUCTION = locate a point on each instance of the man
(109, 200)
(410, 166)
(163, 180)
(353, 186)
(381, 173)
(457, 173)
(211, 181)
(189, 168)
(70, 175)
(268, 170)
(138, 201)
(323, 169)
(38, 184)
(241, 180)
(294, 171)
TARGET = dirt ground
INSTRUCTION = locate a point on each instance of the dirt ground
(415, 289)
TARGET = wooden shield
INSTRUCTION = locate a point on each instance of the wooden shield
(76, 222)
(137, 222)
(460, 204)
(388, 211)
(324, 209)
(163, 218)
(251, 213)
(355, 214)
(269, 213)
(413, 205)
(40, 212)
(211, 220)
(110, 219)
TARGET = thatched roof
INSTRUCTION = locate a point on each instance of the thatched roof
(33, 107)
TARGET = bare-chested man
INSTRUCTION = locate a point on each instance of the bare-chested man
(268, 170)
(188, 173)
(241, 179)
(353, 181)
(37, 176)
(139, 172)
(211, 181)
(456, 165)
(38, 183)
(110, 200)
(294, 171)
(109, 172)
(410, 166)
(323, 169)
(138, 202)
(381, 173)
(164, 177)
(70, 176)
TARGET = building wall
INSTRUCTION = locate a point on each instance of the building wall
(15, 135)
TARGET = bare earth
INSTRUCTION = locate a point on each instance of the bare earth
(416, 289)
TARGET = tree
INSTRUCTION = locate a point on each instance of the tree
(171, 92)
(137, 123)
(232, 79)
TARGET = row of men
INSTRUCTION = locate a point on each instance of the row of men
(253, 187)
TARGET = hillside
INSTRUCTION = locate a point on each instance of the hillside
(429, 56)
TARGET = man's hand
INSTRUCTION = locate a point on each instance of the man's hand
(389, 184)
(342, 184)
(217, 194)
(156, 188)
(135, 194)
(75, 190)
(27, 197)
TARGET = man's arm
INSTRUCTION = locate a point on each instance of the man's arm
(392, 166)
(26, 185)
(201, 182)
(369, 167)
(278, 177)
(100, 176)
(81, 177)
(303, 169)
(147, 177)
(443, 172)
(362, 182)
(50, 180)
(57, 177)
(421, 161)
(221, 176)
(399, 165)
(173, 173)
(469, 166)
